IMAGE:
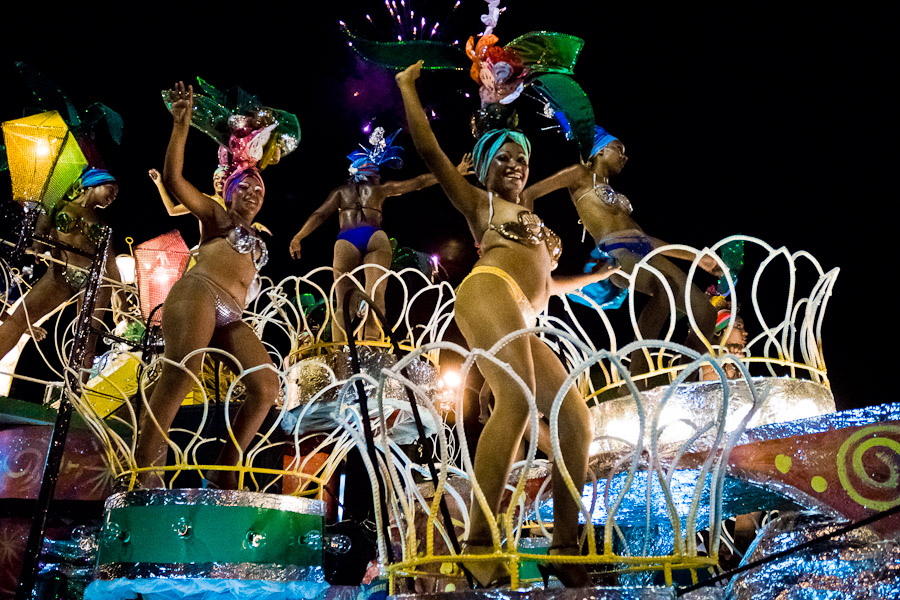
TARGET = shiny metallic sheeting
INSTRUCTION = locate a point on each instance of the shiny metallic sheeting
(561, 593)
(783, 399)
(738, 497)
(188, 496)
(820, 424)
(310, 376)
(853, 566)
(266, 572)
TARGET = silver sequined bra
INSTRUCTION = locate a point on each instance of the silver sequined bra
(612, 198)
(247, 241)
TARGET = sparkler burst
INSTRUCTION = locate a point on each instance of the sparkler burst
(409, 20)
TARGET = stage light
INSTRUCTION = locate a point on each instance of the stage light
(125, 263)
(450, 379)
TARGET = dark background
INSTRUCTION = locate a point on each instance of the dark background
(770, 120)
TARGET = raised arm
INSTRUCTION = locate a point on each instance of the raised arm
(328, 208)
(193, 199)
(461, 193)
(566, 178)
(398, 188)
(174, 210)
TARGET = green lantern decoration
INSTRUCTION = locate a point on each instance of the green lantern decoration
(44, 158)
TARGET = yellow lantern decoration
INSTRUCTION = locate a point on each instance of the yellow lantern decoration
(44, 158)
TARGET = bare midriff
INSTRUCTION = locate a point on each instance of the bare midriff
(529, 266)
(232, 271)
(599, 219)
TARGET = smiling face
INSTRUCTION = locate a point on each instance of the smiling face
(508, 171)
(101, 196)
(247, 197)
(219, 178)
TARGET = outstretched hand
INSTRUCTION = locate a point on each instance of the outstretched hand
(295, 248)
(182, 100)
(466, 166)
(410, 74)
(604, 269)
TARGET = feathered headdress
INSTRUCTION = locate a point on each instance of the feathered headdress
(249, 133)
(366, 162)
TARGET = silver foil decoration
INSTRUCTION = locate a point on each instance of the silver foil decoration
(695, 404)
(820, 424)
(738, 497)
(195, 497)
(268, 572)
(856, 565)
(560, 593)
(311, 376)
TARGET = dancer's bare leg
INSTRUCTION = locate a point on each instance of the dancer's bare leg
(188, 324)
(482, 324)
(657, 312)
(379, 252)
(47, 294)
(262, 388)
(346, 258)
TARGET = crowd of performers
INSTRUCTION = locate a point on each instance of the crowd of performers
(507, 288)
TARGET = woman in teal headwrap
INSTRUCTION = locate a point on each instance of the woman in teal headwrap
(74, 221)
(509, 285)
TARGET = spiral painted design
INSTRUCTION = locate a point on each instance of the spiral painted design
(884, 442)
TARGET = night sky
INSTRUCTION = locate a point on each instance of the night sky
(736, 119)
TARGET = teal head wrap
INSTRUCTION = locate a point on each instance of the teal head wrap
(489, 144)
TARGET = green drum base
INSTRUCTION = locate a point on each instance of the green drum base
(211, 534)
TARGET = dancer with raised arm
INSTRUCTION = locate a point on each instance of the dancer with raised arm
(509, 285)
(220, 175)
(204, 307)
(606, 215)
(360, 205)
(75, 222)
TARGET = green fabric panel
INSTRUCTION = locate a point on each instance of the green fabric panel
(565, 95)
(547, 51)
(218, 534)
(399, 55)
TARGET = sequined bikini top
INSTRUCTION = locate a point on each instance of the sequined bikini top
(528, 230)
(609, 196)
(246, 241)
(66, 223)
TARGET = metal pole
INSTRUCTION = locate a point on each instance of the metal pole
(28, 574)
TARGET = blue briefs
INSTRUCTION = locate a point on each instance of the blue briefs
(359, 236)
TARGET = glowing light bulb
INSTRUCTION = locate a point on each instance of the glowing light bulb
(451, 379)
(42, 148)
(126, 268)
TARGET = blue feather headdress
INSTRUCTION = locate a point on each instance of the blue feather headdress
(366, 162)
